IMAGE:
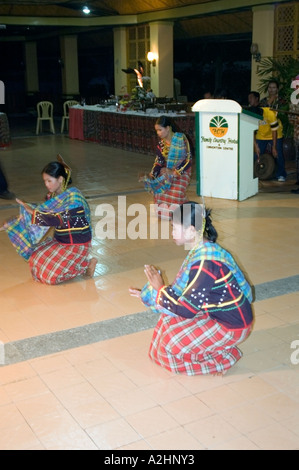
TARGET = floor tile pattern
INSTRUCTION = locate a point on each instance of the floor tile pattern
(75, 371)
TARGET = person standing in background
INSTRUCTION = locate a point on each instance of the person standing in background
(208, 95)
(4, 191)
(270, 131)
(254, 102)
(272, 100)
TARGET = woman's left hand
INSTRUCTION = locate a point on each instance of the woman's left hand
(25, 205)
(135, 292)
(154, 277)
(166, 171)
(142, 177)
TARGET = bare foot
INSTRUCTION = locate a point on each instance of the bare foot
(91, 267)
(3, 227)
(220, 374)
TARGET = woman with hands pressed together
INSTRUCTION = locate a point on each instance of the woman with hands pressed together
(206, 312)
(64, 256)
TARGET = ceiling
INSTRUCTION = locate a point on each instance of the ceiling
(33, 19)
(67, 8)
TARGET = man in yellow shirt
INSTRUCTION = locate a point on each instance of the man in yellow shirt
(270, 132)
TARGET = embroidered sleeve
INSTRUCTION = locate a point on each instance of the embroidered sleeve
(49, 219)
(184, 166)
(158, 163)
(194, 297)
(186, 163)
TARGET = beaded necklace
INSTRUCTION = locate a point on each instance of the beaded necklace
(166, 147)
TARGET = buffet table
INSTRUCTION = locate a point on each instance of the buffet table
(4, 131)
(133, 131)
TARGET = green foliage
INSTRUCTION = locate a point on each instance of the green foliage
(283, 70)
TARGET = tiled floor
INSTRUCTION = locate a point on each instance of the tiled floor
(76, 374)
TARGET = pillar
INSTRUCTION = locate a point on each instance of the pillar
(69, 66)
(263, 36)
(31, 75)
(120, 59)
(31, 72)
(161, 43)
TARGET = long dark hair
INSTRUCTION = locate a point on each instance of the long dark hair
(56, 169)
(165, 121)
(193, 213)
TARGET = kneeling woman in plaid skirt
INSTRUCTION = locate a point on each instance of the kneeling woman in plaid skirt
(206, 312)
(66, 255)
(171, 171)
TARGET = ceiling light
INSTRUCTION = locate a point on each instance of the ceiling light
(86, 10)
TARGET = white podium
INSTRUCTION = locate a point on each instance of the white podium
(224, 150)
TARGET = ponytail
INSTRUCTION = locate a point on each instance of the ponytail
(210, 233)
(194, 214)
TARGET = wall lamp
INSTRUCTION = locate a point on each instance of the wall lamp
(86, 10)
(254, 50)
(152, 58)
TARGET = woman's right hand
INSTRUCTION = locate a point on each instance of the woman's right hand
(25, 205)
(274, 152)
(257, 150)
(153, 276)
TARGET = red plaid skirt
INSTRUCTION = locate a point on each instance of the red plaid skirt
(175, 195)
(195, 346)
(53, 263)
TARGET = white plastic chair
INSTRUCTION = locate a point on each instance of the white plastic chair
(44, 113)
(65, 118)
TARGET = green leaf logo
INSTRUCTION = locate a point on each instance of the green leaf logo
(218, 126)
